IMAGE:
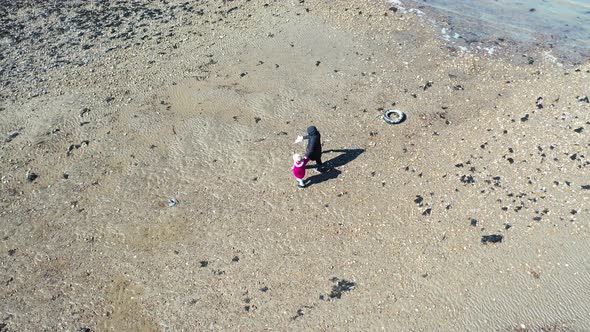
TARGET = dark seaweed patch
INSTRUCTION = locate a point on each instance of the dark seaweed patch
(341, 287)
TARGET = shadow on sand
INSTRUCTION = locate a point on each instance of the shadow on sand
(330, 167)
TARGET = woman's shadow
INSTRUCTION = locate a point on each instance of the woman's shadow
(329, 169)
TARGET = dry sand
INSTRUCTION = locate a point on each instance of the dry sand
(202, 104)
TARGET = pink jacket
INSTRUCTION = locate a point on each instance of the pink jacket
(299, 168)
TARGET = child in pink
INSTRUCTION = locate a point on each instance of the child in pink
(299, 163)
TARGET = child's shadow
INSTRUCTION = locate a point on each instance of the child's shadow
(330, 171)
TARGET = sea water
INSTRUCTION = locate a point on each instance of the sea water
(560, 26)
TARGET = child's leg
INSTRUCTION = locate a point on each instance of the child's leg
(300, 183)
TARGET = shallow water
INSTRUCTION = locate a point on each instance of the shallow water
(562, 25)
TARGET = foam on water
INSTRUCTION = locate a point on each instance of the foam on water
(561, 25)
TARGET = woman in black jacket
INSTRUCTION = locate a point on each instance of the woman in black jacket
(314, 146)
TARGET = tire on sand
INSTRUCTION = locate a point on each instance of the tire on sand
(394, 116)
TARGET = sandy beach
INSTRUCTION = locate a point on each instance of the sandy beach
(145, 158)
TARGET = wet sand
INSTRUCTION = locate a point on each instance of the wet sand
(202, 102)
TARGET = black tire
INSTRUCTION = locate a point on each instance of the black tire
(400, 116)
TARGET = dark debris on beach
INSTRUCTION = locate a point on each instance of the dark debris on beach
(57, 34)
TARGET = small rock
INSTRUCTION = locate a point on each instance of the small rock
(539, 103)
(467, 179)
(31, 176)
(419, 199)
(204, 263)
(494, 238)
(11, 135)
(474, 222)
(235, 259)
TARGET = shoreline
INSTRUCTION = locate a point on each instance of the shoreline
(483, 41)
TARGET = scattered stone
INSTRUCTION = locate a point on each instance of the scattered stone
(235, 259)
(76, 146)
(264, 289)
(317, 63)
(539, 103)
(458, 87)
(525, 118)
(419, 199)
(474, 222)
(300, 313)
(281, 133)
(427, 212)
(243, 74)
(31, 176)
(507, 226)
(85, 329)
(11, 135)
(172, 202)
(467, 179)
(257, 119)
(586, 187)
(510, 160)
(11, 252)
(494, 238)
(583, 99)
(579, 130)
(428, 85)
(84, 111)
